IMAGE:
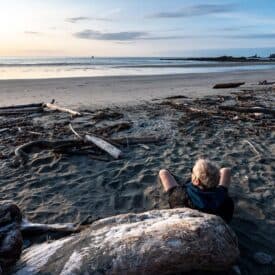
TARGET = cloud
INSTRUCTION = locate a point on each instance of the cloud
(86, 18)
(109, 15)
(215, 36)
(115, 36)
(77, 19)
(254, 36)
(236, 28)
(129, 36)
(32, 32)
(169, 37)
(195, 10)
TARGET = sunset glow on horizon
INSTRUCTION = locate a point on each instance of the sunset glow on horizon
(133, 28)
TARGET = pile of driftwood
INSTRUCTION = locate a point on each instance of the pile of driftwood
(249, 111)
(98, 143)
(248, 103)
(34, 108)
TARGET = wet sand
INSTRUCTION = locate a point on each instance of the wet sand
(123, 90)
(54, 187)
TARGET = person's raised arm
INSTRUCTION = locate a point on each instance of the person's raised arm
(225, 177)
(167, 180)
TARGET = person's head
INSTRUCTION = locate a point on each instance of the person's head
(205, 174)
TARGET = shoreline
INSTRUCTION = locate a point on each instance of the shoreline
(210, 63)
(103, 91)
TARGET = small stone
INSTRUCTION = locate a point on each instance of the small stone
(262, 258)
(258, 115)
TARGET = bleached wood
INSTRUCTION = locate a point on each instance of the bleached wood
(101, 143)
(104, 145)
(62, 109)
(154, 242)
(248, 109)
(36, 228)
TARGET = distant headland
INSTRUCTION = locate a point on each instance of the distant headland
(227, 58)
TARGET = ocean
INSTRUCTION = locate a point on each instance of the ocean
(48, 67)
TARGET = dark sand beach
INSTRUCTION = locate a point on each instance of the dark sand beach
(70, 186)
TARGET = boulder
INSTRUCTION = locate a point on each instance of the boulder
(157, 241)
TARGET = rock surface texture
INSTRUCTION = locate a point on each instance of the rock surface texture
(154, 242)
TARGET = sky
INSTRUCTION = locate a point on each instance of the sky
(136, 27)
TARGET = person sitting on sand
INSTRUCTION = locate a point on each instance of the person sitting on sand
(207, 191)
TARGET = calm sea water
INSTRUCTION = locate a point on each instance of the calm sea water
(24, 68)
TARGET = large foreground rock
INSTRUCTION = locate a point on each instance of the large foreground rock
(154, 242)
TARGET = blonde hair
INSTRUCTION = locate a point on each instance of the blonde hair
(207, 172)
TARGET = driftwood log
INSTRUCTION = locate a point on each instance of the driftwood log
(228, 85)
(23, 151)
(22, 106)
(17, 111)
(131, 140)
(55, 107)
(104, 145)
(27, 227)
(99, 142)
(248, 109)
(154, 242)
(21, 109)
(265, 82)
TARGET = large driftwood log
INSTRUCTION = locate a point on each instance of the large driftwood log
(248, 109)
(22, 106)
(17, 111)
(62, 109)
(154, 242)
(228, 85)
(22, 152)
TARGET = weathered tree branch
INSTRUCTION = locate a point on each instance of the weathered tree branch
(228, 85)
(22, 151)
(61, 109)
